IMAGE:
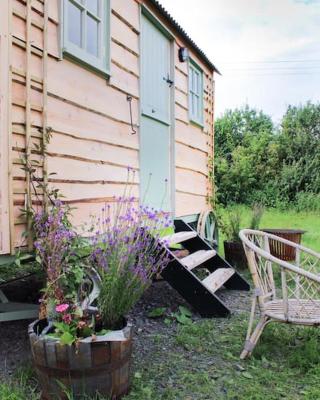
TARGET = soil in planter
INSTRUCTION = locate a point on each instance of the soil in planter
(235, 255)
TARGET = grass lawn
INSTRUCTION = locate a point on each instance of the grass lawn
(200, 360)
(273, 218)
(206, 364)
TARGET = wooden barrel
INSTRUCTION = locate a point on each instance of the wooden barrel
(235, 255)
(281, 250)
(90, 368)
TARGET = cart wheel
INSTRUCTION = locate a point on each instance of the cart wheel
(207, 228)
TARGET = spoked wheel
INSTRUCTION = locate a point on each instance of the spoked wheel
(207, 228)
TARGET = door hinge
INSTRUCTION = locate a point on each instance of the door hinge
(168, 80)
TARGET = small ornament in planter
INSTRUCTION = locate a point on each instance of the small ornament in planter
(80, 348)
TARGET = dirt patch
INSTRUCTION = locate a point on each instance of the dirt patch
(160, 294)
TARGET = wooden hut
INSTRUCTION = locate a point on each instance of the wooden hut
(91, 87)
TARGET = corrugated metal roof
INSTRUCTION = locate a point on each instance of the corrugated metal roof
(184, 34)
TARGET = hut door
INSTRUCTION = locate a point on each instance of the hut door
(155, 154)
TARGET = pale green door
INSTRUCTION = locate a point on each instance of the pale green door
(155, 157)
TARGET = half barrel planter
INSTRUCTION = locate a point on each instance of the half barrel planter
(100, 366)
(281, 250)
(235, 255)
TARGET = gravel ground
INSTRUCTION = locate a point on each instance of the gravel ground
(14, 345)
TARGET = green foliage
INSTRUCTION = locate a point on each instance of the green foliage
(21, 265)
(244, 155)
(230, 220)
(231, 224)
(307, 201)
(183, 316)
(257, 213)
(258, 162)
(157, 312)
(300, 149)
(22, 386)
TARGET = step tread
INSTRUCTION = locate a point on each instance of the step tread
(193, 260)
(215, 280)
(179, 237)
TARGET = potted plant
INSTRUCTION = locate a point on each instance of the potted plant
(233, 249)
(84, 345)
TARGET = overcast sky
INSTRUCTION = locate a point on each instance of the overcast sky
(268, 51)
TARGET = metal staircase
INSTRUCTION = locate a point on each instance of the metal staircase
(184, 274)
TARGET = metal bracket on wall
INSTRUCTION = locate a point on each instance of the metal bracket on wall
(133, 130)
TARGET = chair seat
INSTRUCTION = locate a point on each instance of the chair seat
(306, 312)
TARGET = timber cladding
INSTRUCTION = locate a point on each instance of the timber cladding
(88, 116)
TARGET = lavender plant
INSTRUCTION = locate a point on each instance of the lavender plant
(127, 253)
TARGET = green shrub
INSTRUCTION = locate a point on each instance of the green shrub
(256, 161)
(306, 201)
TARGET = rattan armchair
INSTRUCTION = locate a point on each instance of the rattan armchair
(284, 292)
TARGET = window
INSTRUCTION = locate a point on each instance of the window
(85, 32)
(195, 94)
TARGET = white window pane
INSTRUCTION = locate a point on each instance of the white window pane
(197, 89)
(92, 36)
(195, 94)
(74, 24)
(194, 106)
(196, 77)
(196, 111)
(194, 81)
(92, 6)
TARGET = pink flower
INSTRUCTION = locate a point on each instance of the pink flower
(67, 318)
(62, 308)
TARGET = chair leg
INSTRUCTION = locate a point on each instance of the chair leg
(252, 340)
(251, 319)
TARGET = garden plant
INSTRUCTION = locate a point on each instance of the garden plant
(92, 283)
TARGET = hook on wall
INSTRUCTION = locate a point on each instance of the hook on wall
(129, 99)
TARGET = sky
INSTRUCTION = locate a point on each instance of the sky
(268, 51)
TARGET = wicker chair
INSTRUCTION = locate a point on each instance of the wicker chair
(296, 300)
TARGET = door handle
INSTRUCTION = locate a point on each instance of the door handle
(168, 80)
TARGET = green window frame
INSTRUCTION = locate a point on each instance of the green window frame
(195, 93)
(86, 33)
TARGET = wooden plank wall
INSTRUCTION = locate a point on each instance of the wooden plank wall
(194, 144)
(88, 116)
(4, 127)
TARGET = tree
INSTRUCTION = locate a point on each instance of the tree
(244, 153)
(237, 127)
(256, 162)
(299, 142)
